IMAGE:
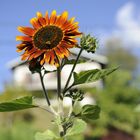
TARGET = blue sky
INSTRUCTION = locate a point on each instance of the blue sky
(103, 18)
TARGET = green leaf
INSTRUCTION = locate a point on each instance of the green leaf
(72, 61)
(78, 127)
(91, 75)
(47, 135)
(90, 112)
(17, 104)
(24, 100)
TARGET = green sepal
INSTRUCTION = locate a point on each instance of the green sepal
(75, 94)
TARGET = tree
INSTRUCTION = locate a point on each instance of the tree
(119, 98)
(118, 54)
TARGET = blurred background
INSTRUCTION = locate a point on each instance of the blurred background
(116, 24)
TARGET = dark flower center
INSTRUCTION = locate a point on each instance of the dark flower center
(48, 37)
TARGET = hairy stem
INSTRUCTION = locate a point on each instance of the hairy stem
(46, 110)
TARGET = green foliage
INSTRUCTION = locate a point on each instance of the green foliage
(47, 135)
(91, 75)
(90, 112)
(18, 131)
(78, 127)
(17, 104)
(118, 102)
(76, 137)
(118, 54)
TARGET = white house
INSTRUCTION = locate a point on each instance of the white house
(22, 76)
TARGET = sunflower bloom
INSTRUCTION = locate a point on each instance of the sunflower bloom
(49, 39)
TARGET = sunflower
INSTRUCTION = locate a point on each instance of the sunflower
(49, 39)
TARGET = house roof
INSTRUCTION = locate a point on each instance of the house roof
(95, 57)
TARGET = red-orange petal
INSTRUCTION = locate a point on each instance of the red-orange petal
(35, 23)
(18, 50)
(59, 52)
(72, 27)
(68, 23)
(65, 51)
(72, 41)
(41, 19)
(31, 56)
(67, 44)
(21, 46)
(52, 56)
(31, 51)
(62, 19)
(65, 15)
(23, 38)
(38, 53)
(72, 34)
(47, 57)
(43, 60)
(24, 56)
(53, 17)
(47, 18)
(26, 30)
(71, 20)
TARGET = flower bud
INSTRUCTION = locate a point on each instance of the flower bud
(76, 94)
(34, 66)
(88, 43)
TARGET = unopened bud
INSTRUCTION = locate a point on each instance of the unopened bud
(89, 43)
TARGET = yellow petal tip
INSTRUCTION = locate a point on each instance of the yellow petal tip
(39, 14)
(53, 12)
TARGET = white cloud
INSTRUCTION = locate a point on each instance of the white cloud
(128, 25)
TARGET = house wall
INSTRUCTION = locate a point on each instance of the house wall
(23, 77)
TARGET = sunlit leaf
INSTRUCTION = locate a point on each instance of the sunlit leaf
(91, 75)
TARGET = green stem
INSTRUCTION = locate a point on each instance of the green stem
(67, 83)
(68, 89)
(44, 90)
